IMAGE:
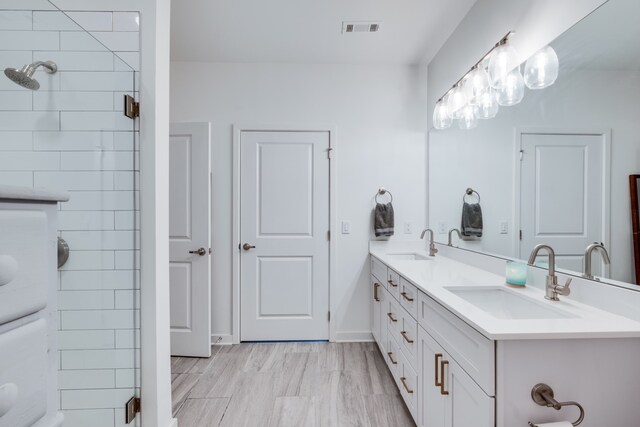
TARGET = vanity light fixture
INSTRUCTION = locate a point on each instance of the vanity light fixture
(494, 81)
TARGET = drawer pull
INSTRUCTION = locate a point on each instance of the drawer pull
(391, 358)
(437, 376)
(404, 335)
(375, 292)
(391, 317)
(404, 295)
(443, 365)
(391, 283)
(404, 384)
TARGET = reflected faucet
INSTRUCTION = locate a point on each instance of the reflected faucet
(599, 247)
(450, 243)
(552, 289)
(432, 246)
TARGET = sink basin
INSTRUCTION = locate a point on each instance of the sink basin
(408, 257)
(503, 303)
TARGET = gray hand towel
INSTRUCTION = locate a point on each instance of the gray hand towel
(471, 220)
(383, 221)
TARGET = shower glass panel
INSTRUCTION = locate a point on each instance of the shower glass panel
(62, 127)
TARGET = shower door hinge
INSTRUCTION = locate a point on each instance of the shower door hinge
(131, 107)
(131, 409)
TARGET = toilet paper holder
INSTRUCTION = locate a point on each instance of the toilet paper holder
(543, 395)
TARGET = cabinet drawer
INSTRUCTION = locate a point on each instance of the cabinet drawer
(408, 384)
(392, 356)
(394, 319)
(23, 379)
(393, 283)
(409, 297)
(408, 337)
(379, 270)
(470, 349)
(24, 263)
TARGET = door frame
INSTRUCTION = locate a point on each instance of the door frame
(235, 244)
(606, 186)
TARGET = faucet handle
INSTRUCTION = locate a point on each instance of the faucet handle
(565, 290)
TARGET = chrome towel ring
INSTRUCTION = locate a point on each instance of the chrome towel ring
(381, 192)
(470, 192)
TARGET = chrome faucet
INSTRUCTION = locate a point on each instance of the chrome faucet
(588, 255)
(552, 289)
(450, 243)
(432, 246)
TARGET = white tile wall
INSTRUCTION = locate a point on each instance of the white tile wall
(71, 135)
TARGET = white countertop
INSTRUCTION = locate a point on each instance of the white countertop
(432, 277)
(11, 192)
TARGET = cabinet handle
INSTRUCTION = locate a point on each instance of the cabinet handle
(404, 295)
(391, 358)
(437, 375)
(404, 384)
(391, 283)
(404, 335)
(443, 364)
(391, 317)
(375, 292)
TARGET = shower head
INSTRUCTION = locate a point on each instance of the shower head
(24, 76)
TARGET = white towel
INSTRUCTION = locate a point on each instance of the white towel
(556, 424)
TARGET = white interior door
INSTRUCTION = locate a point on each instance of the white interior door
(190, 239)
(284, 211)
(561, 195)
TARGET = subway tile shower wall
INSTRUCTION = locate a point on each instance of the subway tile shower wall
(72, 135)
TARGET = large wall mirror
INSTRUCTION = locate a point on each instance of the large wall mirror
(555, 168)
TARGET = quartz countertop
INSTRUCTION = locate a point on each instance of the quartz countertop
(11, 192)
(435, 275)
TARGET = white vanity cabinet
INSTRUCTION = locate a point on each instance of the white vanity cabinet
(28, 313)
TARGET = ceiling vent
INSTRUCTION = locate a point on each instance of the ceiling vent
(360, 27)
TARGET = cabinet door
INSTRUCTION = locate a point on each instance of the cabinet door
(467, 404)
(376, 291)
(432, 404)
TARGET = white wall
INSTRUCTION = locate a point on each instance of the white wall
(378, 114)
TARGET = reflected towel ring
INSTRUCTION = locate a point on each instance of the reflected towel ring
(381, 192)
(469, 192)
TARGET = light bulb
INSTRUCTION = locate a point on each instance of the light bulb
(501, 62)
(441, 118)
(456, 100)
(468, 119)
(475, 84)
(510, 90)
(541, 70)
(487, 105)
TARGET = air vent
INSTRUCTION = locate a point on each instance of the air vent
(360, 27)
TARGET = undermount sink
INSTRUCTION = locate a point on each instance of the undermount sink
(504, 303)
(413, 256)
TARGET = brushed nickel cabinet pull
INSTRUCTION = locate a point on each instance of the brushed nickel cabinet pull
(443, 364)
(404, 384)
(404, 335)
(391, 317)
(391, 358)
(404, 295)
(391, 283)
(375, 292)
(437, 359)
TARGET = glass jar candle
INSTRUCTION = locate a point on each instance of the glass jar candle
(516, 273)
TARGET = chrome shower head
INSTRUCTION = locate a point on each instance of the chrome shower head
(24, 76)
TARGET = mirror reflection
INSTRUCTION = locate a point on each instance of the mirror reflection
(555, 168)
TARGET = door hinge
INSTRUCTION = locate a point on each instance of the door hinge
(329, 316)
(329, 151)
(328, 234)
(521, 155)
(131, 107)
(131, 409)
(520, 234)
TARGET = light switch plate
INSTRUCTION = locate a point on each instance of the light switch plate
(442, 227)
(346, 227)
(408, 228)
(504, 227)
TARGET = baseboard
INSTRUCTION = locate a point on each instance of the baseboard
(354, 336)
(173, 422)
(222, 339)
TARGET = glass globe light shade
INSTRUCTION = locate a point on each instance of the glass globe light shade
(487, 105)
(475, 84)
(501, 62)
(510, 90)
(441, 118)
(541, 70)
(468, 119)
(456, 100)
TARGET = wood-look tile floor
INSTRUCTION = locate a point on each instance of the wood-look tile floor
(287, 384)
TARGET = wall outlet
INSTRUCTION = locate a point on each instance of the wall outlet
(442, 227)
(408, 228)
(346, 227)
(504, 227)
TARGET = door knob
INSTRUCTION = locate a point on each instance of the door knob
(248, 247)
(201, 252)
